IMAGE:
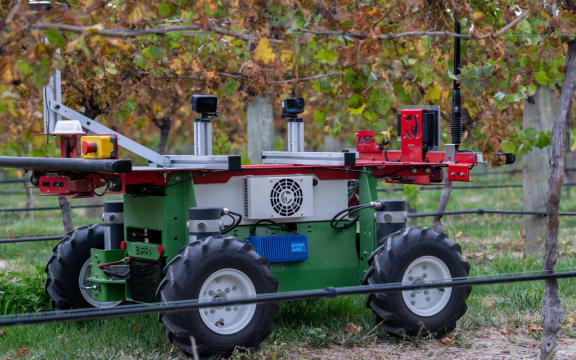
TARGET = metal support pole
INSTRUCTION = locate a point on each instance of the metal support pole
(202, 137)
(295, 135)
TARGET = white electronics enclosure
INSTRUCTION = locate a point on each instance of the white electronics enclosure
(278, 197)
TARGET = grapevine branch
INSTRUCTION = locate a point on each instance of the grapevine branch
(162, 30)
(240, 76)
(419, 33)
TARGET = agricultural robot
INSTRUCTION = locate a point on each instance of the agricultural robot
(206, 227)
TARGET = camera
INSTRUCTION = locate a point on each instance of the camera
(292, 107)
(206, 105)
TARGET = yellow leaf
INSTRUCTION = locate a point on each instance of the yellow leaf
(176, 65)
(119, 44)
(478, 15)
(7, 71)
(357, 111)
(137, 13)
(94, 29)
(263, 52)
(287, 56)
(434, 93)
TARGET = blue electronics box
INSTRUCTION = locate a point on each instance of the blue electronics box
(281, 248)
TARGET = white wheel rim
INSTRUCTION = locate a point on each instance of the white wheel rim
(225, 284)
(426, 302)
(86, 288)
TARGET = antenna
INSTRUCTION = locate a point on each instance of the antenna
(456, 124)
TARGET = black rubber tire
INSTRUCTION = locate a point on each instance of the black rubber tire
(183, 279)
(63, 268)
(388, 264)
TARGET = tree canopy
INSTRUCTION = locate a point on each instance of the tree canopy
(135, 63)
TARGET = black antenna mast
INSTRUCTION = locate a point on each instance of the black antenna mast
(456, 124)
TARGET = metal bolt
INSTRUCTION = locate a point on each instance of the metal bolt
(425, 291)
(427, 299)
(235, 308)
(452, 173)
(221, 321)
(410, 278)
(424, 275)
(424, 267)
(412, 294)
(413, 171)
(413, 302)
(427, 170)
(212, 311)
(234, 288)
(210, 292)
(227, 290)
(227, 308)
(205, 312)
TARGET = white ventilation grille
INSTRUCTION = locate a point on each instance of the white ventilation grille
(278, 197)
(286, 197)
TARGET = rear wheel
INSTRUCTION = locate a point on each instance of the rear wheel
(416, 256)
(68, 269)
(210, 270)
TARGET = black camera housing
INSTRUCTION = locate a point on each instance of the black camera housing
(206, 105)
(291, 107)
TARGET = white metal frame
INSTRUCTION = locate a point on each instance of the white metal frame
(55, 110)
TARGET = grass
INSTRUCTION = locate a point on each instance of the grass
(491, 243)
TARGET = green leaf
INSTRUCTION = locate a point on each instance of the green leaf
(543, 139)
(542, 78)
(24, 67)
(127, 107)
(524, 27)
(382, 107)
(55, 37)
(164, 9)
(508, 146)
(531, 132)
(111, 69)
(326, 56)
(319, 117)
(355, 100)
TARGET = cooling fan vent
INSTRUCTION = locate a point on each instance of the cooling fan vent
(276, 197)
(286, 197)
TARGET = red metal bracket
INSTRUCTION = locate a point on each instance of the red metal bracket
(459, 172)
(411, 134)
(366, 142)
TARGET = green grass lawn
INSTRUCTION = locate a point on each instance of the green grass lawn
(491, 243)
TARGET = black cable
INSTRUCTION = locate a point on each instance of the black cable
(32, 239)
(235, 221)
(49, 208)
(278, 226)
(341, 215)
(106, 189)
(469, 187)
(330, 292)
(12, 181)
(487, 211)
(350, 170)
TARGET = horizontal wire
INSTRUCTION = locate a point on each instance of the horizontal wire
(330, 292)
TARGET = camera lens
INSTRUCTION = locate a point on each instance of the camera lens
(299, 103)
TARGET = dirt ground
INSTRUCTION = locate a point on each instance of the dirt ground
(483, 344)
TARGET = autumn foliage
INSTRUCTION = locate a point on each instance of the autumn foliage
(134, 64)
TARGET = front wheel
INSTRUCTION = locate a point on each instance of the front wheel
(213, 269)
(416, 256)
(68, 269)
